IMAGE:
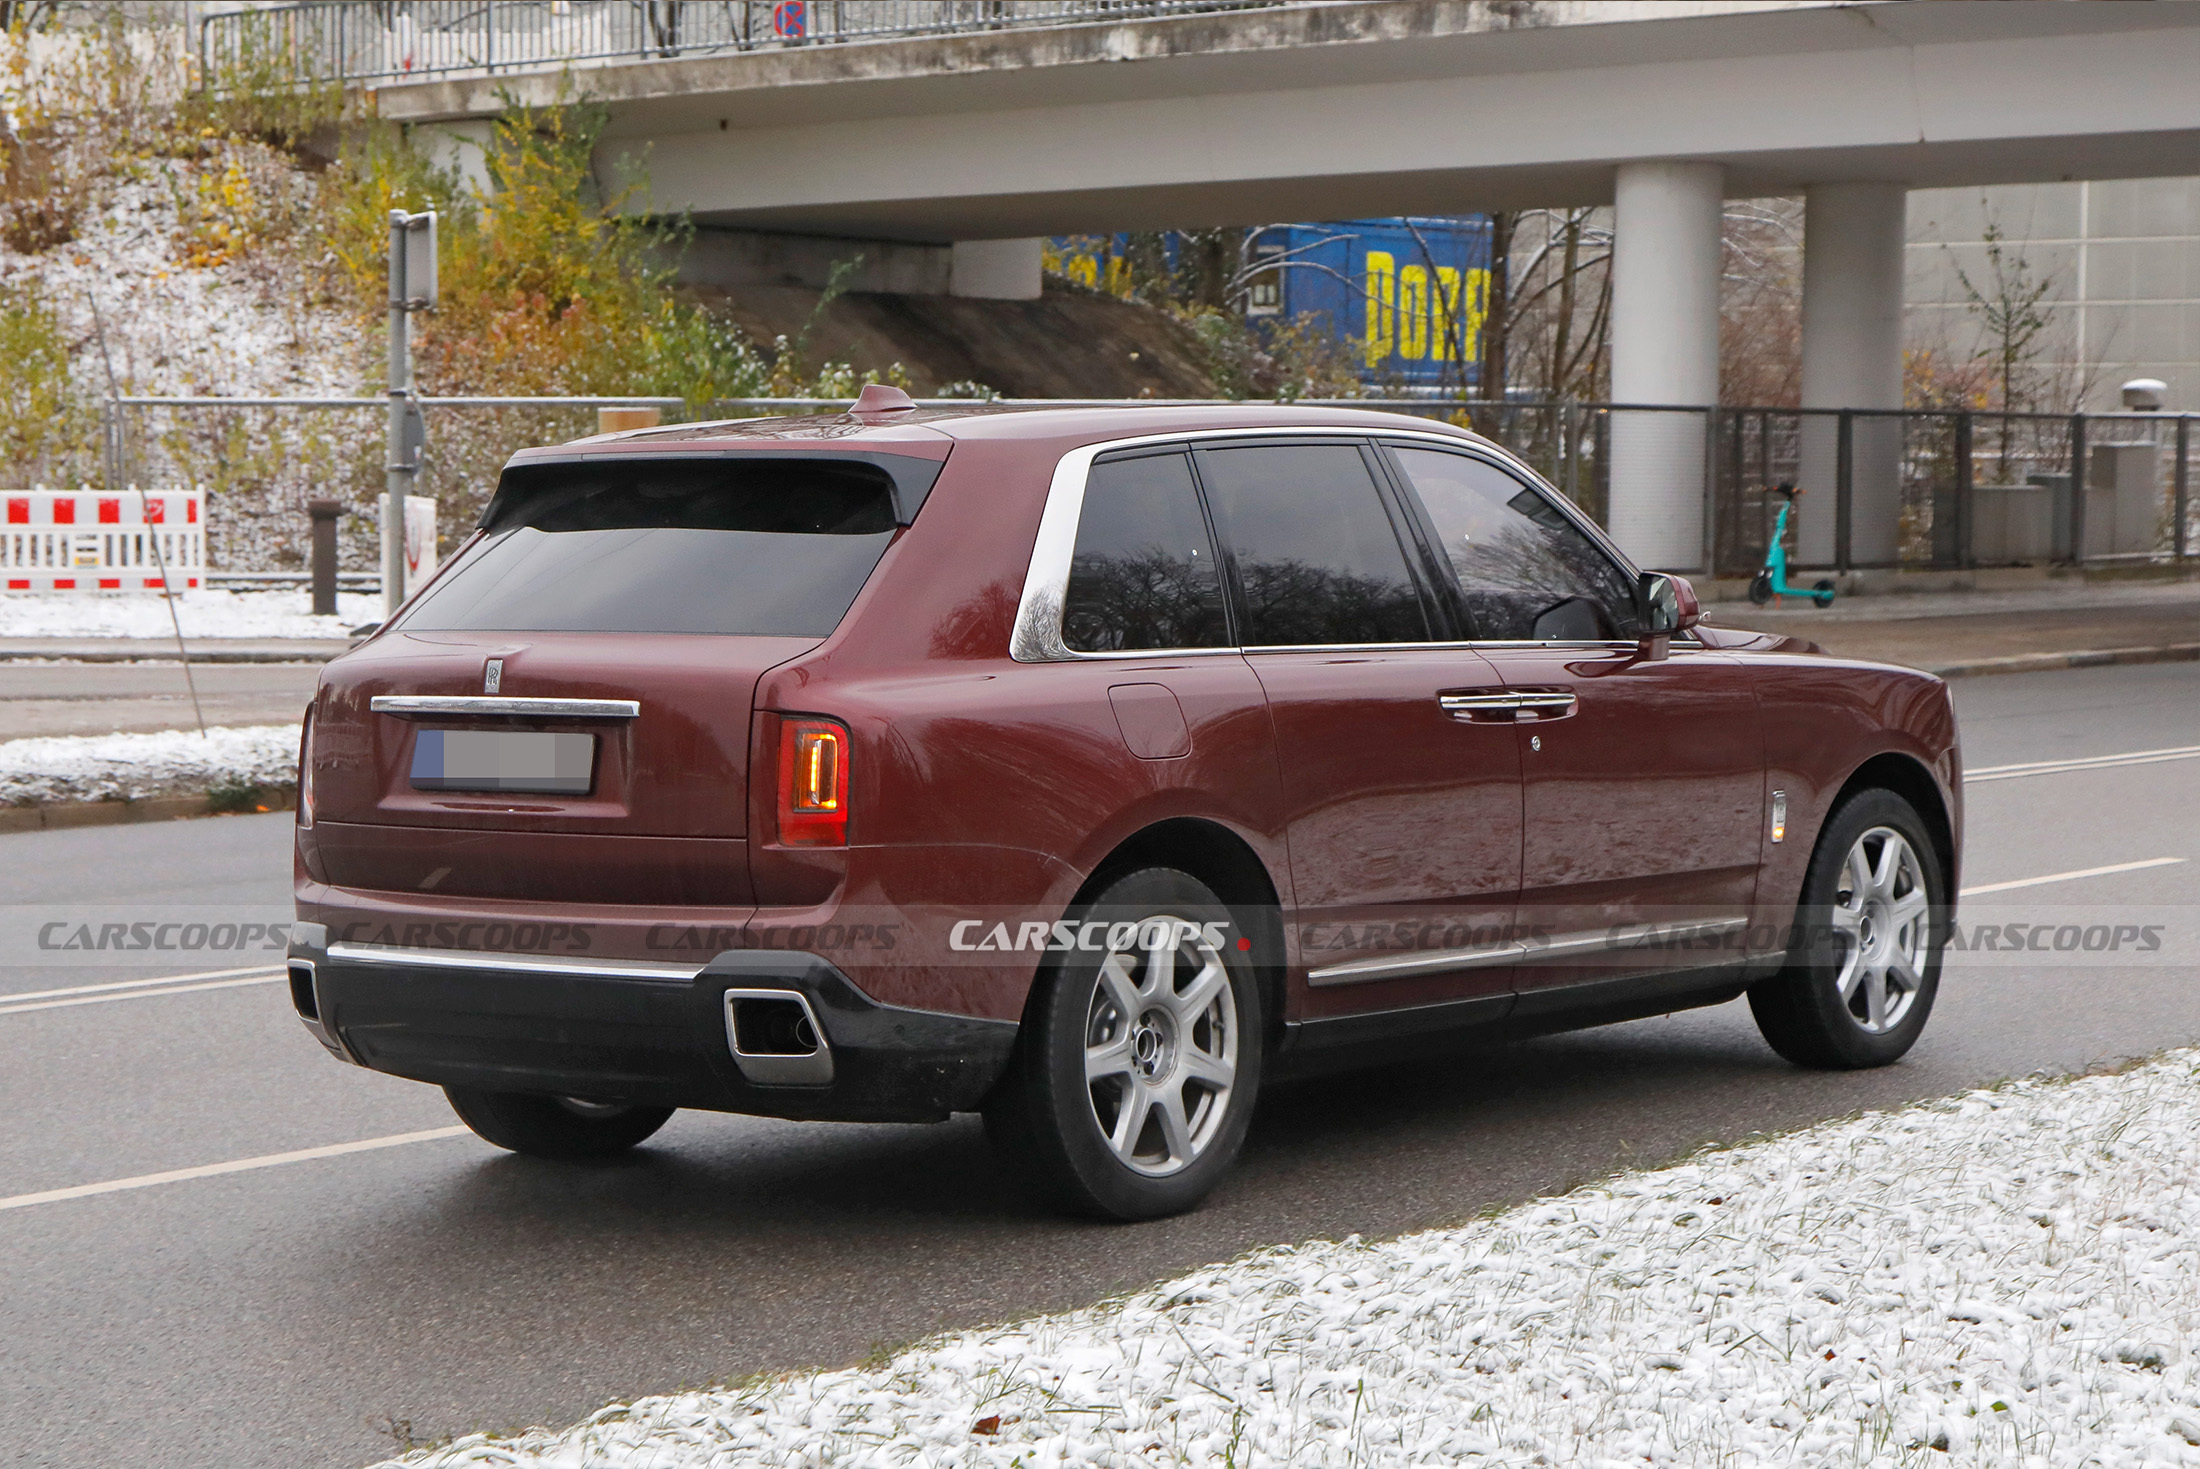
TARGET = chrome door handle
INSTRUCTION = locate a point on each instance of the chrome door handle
(1492, 706)
(1481, 706)
(1544, 703)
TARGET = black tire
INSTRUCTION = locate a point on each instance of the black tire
(1058, 1127)
(1760, 588)
(554, 1127)
(1802, 1011)
(1821, 592)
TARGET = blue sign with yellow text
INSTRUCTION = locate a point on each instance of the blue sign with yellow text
(1408, 294)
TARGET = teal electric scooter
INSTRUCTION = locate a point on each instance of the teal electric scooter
(1773, 580)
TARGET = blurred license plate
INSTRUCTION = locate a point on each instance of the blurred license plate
(504, 760)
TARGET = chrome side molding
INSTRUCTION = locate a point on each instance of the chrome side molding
(1440, 961)
(1527, 951)
(460, 706)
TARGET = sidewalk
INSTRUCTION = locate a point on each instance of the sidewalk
(1965, 633)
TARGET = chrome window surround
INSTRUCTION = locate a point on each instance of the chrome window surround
(1037, 634)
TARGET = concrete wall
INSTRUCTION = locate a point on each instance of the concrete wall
(2124, 257)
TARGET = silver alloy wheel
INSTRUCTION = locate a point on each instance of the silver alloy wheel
(1161, 1045)
(1882, 916)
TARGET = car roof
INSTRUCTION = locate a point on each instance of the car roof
(935, 427)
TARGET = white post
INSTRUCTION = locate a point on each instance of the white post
(1852, 358)
(397, 471)
(413, 287)
(1665, 349)
(1001, 270)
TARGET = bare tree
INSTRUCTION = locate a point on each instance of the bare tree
(2010, 305)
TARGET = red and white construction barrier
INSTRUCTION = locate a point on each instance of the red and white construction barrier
(101, 541)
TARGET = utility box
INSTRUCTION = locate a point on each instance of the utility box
(2012, 523)
(2123, 501)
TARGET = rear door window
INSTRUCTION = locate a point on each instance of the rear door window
(1527, 572)
(764, 546)
(1144, 573)
(1318, 559)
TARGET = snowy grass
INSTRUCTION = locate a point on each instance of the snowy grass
(136, 767)
(2010, 1277)
(204, 614)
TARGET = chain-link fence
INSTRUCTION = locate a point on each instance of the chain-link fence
(1913, 490)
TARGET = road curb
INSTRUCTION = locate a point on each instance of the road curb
(61, 815)
(2084, 658)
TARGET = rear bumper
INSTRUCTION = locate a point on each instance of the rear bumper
(657, 1034)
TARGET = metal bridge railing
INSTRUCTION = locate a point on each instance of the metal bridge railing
(353, 41)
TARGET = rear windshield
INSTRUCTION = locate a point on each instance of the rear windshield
(764, 547)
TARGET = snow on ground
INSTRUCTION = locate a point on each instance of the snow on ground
(137, 766)
(240, 326)
(204, 614)
(2006, 1278)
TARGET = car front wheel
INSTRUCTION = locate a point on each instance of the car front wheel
(1865, 964)
(1140, 1057)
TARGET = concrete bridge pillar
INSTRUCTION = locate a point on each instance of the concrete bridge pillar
(1852, 358)
(1002, 270)
(1665, 349)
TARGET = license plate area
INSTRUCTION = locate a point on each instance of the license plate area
(535, 762)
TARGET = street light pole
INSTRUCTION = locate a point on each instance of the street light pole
(412, 288)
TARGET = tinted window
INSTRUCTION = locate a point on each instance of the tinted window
(1527, 571)
(769, 547)
(1316, 555)
(1144, 574)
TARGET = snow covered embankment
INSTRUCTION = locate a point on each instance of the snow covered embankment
(136, 767)
(203, 614)
(2010, 1277)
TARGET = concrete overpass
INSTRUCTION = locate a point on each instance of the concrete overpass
(975, 145)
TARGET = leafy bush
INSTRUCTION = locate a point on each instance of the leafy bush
(546, 288)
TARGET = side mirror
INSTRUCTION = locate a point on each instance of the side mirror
(1669, 605)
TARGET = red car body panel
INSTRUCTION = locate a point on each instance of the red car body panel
(983, 785)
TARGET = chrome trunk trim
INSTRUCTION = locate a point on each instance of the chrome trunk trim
(463, 706)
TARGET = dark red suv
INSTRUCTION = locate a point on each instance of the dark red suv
(1086, 767)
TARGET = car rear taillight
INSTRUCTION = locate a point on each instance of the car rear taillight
(813, 783)
(305, 772)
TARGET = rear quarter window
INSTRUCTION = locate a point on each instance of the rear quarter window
(761, 547)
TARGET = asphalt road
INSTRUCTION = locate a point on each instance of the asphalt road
(320, 1312)
(44, 697)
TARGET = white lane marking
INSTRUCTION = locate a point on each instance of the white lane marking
(174, 989)
(2082, 762)
(138, 984)
(2033, 882)
(215, 1170)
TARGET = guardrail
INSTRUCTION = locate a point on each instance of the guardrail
(352, 41)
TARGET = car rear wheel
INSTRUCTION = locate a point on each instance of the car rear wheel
(1139, 1057)
(1865, 964)
(554, 1127)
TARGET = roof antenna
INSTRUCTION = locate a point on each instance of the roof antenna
(882, 398)
(152, 537)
